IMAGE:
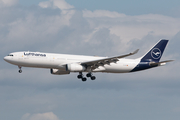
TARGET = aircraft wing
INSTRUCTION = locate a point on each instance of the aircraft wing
(101, 62)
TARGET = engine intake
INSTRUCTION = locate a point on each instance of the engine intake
(75, 68)
(59, 72)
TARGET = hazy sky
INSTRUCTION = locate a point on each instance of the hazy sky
(103, 28)
(129, 7)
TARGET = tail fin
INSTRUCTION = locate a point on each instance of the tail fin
(156, 52)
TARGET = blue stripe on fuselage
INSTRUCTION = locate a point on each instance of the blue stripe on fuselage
(142, 66)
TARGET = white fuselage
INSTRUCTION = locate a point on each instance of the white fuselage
(58, 61)
(61, 64)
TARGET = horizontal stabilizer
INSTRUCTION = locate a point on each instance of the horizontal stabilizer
(160, 63)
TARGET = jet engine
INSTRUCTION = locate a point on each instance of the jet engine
(59, 72)
(75, 68)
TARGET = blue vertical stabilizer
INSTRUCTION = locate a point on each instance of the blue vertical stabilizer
(156, 52)
(152, 57)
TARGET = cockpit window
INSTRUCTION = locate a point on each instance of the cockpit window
(10, 55)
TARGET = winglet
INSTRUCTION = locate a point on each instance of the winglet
(136, 51)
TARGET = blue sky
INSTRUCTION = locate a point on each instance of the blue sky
(103, 28)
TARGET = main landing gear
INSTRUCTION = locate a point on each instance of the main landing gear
(90, 75)
(81, 76)
(20, 71)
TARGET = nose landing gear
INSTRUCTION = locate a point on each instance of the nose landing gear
(20, 71)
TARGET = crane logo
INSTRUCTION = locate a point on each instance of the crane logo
(156, 53)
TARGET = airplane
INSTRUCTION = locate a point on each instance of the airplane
(62, 64)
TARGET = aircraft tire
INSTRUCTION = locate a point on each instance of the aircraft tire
(20, 71)
(88, 75)
(84, 79)
(93, 78)
(79, 76)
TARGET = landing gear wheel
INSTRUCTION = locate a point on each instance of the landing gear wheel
(20, 71)
(93, 78)
(84, 79)
(88, 75)
(79, 76)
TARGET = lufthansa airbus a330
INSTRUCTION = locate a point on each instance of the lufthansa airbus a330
(60, 64)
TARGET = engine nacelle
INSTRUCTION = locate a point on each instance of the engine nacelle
(75, 68)
(59, 72)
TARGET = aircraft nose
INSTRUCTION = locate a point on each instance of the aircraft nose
(6, 58)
